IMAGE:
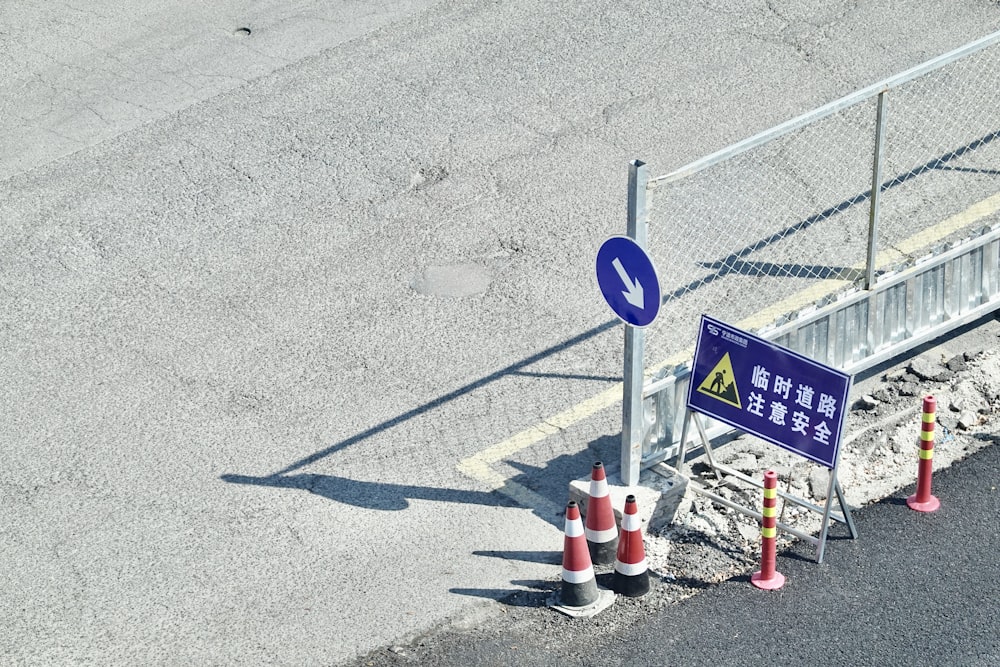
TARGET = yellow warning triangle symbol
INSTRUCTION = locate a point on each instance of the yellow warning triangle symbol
(720, 383)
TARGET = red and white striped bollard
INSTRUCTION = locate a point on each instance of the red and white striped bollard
(922, 500)
(768, 577)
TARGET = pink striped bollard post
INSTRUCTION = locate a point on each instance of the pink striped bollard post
(769, 578)
(922, 500)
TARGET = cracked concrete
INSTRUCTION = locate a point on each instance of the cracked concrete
(79, 75)
(167, 322)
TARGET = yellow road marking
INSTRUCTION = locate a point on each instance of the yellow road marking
(478, 466)
(900, 252)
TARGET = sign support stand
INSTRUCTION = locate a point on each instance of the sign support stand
(845, 516)
(788, 399)
(720, 470)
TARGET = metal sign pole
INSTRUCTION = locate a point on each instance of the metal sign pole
(876, 196)
(632, 426)
(635, 338)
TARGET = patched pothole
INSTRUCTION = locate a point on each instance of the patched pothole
(427, 176)
(452, 280)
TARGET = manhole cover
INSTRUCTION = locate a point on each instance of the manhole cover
(452, 280)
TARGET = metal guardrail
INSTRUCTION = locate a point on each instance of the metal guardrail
(801, 209)
(856, 329)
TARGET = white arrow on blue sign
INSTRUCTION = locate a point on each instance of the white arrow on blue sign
(628, 281)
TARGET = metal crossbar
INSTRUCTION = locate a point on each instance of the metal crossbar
(827, 110)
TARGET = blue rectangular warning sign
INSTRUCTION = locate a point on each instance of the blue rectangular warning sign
(769, 391)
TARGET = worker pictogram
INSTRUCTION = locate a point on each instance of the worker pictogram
(720, 383)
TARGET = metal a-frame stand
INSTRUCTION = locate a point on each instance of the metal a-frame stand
(819, 542)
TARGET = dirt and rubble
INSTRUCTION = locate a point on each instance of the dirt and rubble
(708, 543)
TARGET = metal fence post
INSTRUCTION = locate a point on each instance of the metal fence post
(876, 192)
(635, 338)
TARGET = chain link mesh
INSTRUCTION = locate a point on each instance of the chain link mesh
(777, 228)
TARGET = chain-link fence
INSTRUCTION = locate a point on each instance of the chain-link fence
(844, 197)
(763, 231)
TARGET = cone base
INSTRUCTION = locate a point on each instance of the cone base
(633, 586)
(771, 584)
(929, 505)
(579, 595)
(605, 599)
(603, 553)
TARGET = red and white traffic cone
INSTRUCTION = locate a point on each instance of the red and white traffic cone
(579, 584)
(631, 576)
(600, 527)
(579, 595)
(769, 578)
(922, 500)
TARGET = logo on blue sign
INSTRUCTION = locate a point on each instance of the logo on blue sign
(768, 390)
(628, 281)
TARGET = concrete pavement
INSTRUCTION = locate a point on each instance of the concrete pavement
(232, 407)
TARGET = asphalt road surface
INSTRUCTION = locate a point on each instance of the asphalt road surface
(917, 589)
(270, 272)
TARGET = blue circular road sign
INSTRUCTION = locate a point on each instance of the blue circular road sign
(628, 281)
